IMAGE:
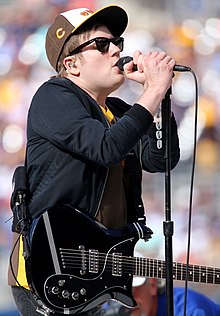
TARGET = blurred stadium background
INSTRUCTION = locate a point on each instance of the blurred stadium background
(189, 31)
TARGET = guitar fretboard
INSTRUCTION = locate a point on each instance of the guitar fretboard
(157, 268)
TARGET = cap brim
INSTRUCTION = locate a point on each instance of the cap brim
(114, 17)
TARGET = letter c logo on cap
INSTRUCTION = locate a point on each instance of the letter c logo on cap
(86, 12)
(60, 33)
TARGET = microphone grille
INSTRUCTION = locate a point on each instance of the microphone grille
(122, 61)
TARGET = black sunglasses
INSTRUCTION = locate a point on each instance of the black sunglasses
(102, 44)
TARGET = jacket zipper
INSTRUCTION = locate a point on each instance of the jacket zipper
(106, 177)
(103, 189)
(140, 151)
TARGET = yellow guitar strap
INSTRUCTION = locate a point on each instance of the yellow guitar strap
(21, 277)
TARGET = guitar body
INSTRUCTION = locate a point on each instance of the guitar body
(76, 263)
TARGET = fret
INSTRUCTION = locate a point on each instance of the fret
(209, 275)
(148, 268)
(145, 267)
(157, 268)
(178, 271)
(151, 270)
(203, 274)
(181, 271)
(196, 277)
(139, 266)
(136, 266)
(164, 269)
(150, 273)
(193, 273)
(174, 270)
(190, 273)
(217, 276)
(213, 276)
(160, 269)
(142, 266)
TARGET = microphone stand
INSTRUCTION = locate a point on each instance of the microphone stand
(168, 224)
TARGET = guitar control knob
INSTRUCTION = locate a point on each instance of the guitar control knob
(65, 294)
(55, 290)
(83, 291)
(61, 282)
(75, 296)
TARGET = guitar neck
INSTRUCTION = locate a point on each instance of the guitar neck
(157, 268)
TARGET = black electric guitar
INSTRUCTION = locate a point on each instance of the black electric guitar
(76, 263)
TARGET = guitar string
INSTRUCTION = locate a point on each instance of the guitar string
(133, 264)
(132, 259)
(128, 259)
(205, 278)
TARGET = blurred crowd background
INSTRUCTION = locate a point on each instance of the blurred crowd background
(189, 31)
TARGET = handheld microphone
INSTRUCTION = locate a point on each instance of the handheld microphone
(124, 60)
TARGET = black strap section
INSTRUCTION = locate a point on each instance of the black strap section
(19, 197)
(19, 184)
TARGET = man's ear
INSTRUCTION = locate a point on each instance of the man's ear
(69, 64)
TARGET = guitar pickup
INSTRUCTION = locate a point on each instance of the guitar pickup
(93, 261)
(117, 264)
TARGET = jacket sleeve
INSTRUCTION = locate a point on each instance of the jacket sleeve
(153, 158)
(57, 115)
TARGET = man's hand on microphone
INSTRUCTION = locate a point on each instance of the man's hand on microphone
(135, 74)
(155, 73)
(149, 67)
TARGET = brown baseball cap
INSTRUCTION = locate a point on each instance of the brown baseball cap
(66, 23)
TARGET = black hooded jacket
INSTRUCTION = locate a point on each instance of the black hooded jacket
(70, 147)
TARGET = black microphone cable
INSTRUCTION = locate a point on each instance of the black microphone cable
(191, 189)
